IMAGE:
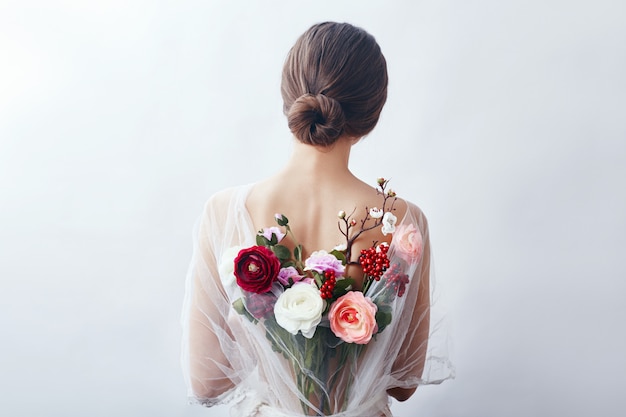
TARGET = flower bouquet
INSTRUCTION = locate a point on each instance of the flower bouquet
(312, 312)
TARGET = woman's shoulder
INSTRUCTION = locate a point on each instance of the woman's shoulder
(224, 199)
(413, 211)
(413, 217)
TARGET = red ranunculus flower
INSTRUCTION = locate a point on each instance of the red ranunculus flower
(256, 268)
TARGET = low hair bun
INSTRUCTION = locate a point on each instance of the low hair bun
(316, 119)
(344, 64)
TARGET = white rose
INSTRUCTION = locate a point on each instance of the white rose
(299, 308)
(227, 265)
(389, 223)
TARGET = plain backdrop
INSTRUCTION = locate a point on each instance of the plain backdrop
(505, 123)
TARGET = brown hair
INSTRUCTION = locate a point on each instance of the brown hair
(334, 83)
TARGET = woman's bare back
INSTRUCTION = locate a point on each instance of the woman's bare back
(312, 207)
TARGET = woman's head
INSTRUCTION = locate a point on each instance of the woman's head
(334, 84)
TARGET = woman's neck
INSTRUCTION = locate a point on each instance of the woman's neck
(320, 164)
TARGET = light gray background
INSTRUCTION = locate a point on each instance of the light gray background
(505, 123)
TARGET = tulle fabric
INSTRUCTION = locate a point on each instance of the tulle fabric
(228, 359)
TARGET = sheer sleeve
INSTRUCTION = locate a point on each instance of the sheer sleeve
(413, 349)
(206, 323)
(209, 332)
(423, 357)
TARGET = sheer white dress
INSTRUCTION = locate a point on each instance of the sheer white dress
(227, 359)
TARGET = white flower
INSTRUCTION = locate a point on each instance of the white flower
(300, 308)
(376, 213)
(341, 247)
(227, 265)
(389, 223)
(341, 214)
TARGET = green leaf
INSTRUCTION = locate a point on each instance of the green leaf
(385, 297)
(282, 221)
(282, 252)
(262, 241)
(241, 309)
(274, 239)
(383, 318)
(287, 264)
(339, 255)
(341, 286)
(319, 279)
(238, 306)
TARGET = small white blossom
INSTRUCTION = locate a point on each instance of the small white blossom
(389, 223)
(378, 250)
(376, 213)
(341, 247)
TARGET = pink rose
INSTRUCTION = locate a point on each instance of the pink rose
(353, 318)
(408, 243)
(290, 272)
(322, 261)
(256, 269)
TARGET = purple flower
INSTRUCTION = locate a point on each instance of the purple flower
(268, 231)
(290, 272)
(322, 261)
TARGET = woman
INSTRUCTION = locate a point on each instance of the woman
(275, 324)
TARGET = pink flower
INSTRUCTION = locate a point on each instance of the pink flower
(353, 318)
(290, 272)
(269, 231)
(408, 243)
(322, 261)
